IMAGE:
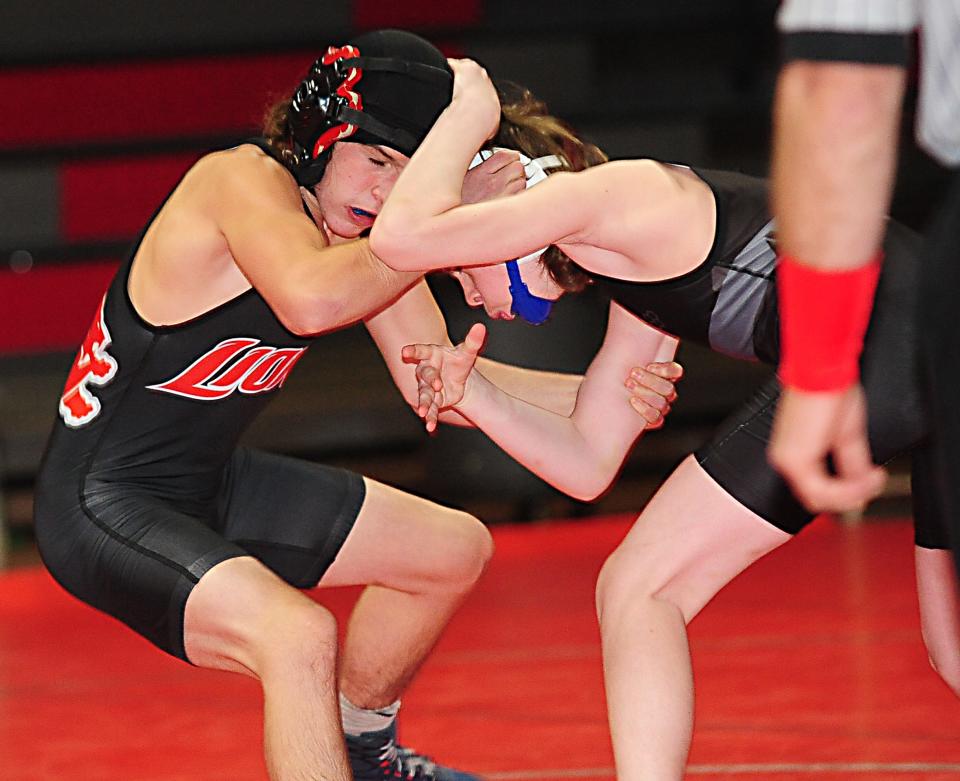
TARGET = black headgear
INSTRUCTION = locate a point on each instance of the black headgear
(384, 87)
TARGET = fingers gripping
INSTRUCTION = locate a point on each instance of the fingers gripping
(500, 174)
(652, 390)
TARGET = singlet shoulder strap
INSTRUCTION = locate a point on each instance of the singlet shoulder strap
(743, 209)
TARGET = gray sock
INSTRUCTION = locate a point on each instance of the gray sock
(358, 720)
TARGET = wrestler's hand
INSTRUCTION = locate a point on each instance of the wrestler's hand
(442, 372)
(653, 390)
(807, 429)
(474, 92)
(500, 174)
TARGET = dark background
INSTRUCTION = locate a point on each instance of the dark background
(105, 104)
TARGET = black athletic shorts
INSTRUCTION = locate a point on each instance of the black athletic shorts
(898, 419)
(136, 553)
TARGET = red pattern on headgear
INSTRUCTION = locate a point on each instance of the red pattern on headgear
(345, 90)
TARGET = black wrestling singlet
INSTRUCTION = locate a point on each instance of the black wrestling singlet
(727, 302)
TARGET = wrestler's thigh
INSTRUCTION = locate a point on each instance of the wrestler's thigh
(691, 539)
(292, 515)
(402, 541)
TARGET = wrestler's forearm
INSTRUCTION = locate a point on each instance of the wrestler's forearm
(552, 446)
(432, 182)
(836, 131)
(552, 391)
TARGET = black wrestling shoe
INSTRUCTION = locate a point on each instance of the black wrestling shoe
(375, 756)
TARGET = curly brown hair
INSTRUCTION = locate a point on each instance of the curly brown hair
(275, 128)
(527, 126)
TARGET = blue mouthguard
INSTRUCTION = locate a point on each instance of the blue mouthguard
(533, 309)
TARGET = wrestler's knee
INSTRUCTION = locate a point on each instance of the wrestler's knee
(241, 617)
(288, 636)
(302, 636)
(626, 578)
(467, 548)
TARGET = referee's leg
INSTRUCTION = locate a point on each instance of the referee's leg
(940, 333)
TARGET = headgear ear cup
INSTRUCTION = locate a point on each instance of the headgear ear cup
(385, 87)
(534, 309)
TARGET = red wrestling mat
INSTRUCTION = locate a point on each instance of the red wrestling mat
(809, 666)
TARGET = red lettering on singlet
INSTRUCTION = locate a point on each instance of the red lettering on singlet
(271, 371)
(234, 364)
(92, 366)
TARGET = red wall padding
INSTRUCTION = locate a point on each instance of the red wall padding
(369, 14)
(51, 307)
(113, 199)
(147, 100)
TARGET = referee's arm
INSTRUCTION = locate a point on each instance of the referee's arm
(836, 126)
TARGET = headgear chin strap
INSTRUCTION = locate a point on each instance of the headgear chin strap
(534, 309)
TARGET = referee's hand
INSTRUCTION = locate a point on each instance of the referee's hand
(809, 428)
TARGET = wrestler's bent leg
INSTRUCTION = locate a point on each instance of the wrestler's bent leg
(690, 541)
(241, 617)
(419, 560)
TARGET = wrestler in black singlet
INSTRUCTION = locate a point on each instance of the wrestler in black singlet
(729, 304)
(143, 489)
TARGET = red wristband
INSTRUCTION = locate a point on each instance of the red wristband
(823, 318)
